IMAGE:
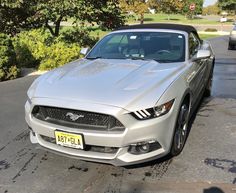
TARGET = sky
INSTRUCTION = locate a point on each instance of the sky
(209, 2)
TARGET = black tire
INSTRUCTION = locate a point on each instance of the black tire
(208, 88)
(181, 130)
(230, 46)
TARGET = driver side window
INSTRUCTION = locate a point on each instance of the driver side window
(194, 45)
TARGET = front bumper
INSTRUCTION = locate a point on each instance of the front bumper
(159, 129)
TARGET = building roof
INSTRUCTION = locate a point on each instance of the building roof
(185, 28)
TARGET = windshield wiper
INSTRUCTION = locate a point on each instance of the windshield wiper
(137, 58)
(93, 58)
(165, 61)
(146, 59)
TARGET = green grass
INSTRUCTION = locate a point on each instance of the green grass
(172, 18)
(208, 36)
(165, 18)
(96, 32)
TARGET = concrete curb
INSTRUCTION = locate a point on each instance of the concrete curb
(31, 72)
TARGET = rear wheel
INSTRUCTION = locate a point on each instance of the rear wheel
(181, 130)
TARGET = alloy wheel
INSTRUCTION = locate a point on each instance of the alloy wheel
(181, 131)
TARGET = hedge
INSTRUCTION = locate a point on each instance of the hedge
(8, 63)
(38, 49)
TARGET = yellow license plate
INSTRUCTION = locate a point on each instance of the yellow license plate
(69, 139)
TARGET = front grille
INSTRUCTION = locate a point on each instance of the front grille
(77, 119)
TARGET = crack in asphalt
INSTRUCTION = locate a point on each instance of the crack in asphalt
(223, 164)
(23, 135)
(2, 148)
(78, 168)
(24, 167)
(4, 165)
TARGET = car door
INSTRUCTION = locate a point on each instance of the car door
(197, 78)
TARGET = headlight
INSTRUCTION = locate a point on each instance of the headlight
(154, 112)
(163, 109)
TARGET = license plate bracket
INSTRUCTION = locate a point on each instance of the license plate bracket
(67, 139)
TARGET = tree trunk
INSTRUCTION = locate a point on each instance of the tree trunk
(57, 26)
(141, 18)
(50, 28)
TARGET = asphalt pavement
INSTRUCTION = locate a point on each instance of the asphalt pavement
(206, 165)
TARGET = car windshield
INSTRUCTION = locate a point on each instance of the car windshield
(163, 47)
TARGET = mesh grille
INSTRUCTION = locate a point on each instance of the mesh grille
(76, 118)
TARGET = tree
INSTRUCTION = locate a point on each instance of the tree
(138, 7)
(27, 14)
(198, 8)
(153, 4)
(171, 6)
(211, 10)
(16, 15)
(106, 13)
(228, 5)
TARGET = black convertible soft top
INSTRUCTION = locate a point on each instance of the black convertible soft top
(185, 28)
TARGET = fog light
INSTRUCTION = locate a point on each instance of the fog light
(144, 147)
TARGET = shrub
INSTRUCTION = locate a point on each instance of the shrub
(80, 36)
(13, 73)
(8, 68)
(24, 55)
(31, 47)
(37, 48)
(59, 54)
(210, 30)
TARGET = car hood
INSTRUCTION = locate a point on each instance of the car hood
(114, 82)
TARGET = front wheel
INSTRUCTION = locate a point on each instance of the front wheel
(181, 130)
(208, 88)
(230, 46)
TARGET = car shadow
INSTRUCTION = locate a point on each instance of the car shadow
(139, 189)
(213, 190)
(166, 159)
(201, 103)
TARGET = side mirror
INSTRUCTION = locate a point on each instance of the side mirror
(84, 51)
(202, 54)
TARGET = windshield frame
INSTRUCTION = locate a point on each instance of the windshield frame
(185, 35)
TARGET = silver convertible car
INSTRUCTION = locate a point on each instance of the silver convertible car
(128, 101)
